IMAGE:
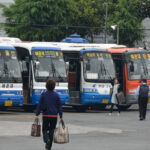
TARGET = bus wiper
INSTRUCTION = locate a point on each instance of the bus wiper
(106, 71)
(145, 69)
(56, 72)
(14, 79)
(100, 72)
(5, 70)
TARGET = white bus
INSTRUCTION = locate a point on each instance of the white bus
(90, 73)
(11, 93)
(39, 63)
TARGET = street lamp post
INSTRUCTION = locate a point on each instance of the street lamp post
(116, 27)
(117, 34)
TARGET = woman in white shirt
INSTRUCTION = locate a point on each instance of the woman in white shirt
(114, 100)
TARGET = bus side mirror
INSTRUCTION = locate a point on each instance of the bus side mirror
(131, 67)
(37, 64)
(67, 65)
(88, 67)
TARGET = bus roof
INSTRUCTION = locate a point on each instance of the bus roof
(79, 46)
(33, 46)
(122, 50)
(6, 46)
(9, 40)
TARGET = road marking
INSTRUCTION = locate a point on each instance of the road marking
(12, 128)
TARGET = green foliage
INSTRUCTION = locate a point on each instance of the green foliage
(88, 14)
(30, 19)
(52, 20)
(125, 16)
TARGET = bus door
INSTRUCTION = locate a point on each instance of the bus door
(119, 66)
(74, 71)
(24, 59)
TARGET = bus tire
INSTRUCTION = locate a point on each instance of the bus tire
(3, 108)
(80, 108)
(124, 107)
(29, 108)
(99, 107)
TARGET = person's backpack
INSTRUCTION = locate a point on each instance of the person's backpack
(144, 89)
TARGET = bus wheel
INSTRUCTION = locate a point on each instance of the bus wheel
(99, 107)
(124, 107)
(80, 108)
(28, 108)
(3, 108)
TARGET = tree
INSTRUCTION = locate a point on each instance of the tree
(52, 20)
(89, 16)
(37, 20)
(126, 16)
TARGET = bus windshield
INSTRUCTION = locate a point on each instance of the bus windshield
(49, 64)
(9, 67)
(138, 66)
(98, 66)
(146, 63)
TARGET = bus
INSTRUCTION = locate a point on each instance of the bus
(11, 93)
(132, 65)
(90, 73)
(39, 63)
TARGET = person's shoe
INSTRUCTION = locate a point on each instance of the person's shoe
(47, 145)
(141, 118)
(110, 114)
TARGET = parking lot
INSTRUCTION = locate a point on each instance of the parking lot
(94, 129)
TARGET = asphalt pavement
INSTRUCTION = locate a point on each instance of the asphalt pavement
(92, 130)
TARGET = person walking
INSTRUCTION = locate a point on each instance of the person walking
(114, 100)
(142, 94)
(51, 106)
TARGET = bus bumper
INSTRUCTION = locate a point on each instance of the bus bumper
(63, 97)
(36, 99)
(131, 99)
(12, 100)
(95, 98)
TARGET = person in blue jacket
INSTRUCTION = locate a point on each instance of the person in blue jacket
(51, 106)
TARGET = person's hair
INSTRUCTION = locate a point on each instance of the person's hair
(50, 84)
(143, 80)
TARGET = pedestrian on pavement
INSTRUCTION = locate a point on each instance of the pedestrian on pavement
(142, 95)
(51, 106)
(114, 101)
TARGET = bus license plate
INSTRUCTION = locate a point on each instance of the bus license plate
(105, 101)
(8, 103)
(148, 100)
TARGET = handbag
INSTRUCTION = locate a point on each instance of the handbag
(36, 128)
(61, 134)
(120, 97)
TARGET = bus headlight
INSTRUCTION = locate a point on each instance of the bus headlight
(65, 92)
(62, 91)
(37, 91)
(20, 93)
